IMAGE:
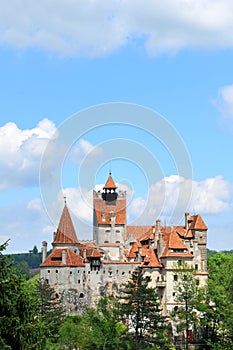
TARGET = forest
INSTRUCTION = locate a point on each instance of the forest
(32, 318)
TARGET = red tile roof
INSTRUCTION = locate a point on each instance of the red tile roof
(151, 259)
(65, 232)
(103, 211)
(137, 231)
(110, 184)
(55, 258)
(175, 242)
(168, 254)
(197, 223)
(91, 251)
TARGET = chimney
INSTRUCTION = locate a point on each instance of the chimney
(84, 253)
(139, 253)
(44, 250)
(158, 221)
(112, 218)
(64, 257)
(186, 220)
(157, 231)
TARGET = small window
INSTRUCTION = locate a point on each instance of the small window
(70, 272)
(78, 281)
(56, 271)
(196, 266)
(175, 278)
(81, 295)
(123, 273)
(129, 272)
(173, 294)
(118, 242)
(106, 241)
(48, 271)
(47, 281)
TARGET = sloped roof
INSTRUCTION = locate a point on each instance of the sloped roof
(168, 254)
(134, 250)
(137, 231)
(103, 211)
(65, 232)
(197, 223)
(147, 235)
(175, 242)
(55, 258)
(110, 184)
(91, 251)
(151, 259)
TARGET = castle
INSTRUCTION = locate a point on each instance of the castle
(81, 272)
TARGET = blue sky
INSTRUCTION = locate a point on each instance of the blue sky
(58, 59)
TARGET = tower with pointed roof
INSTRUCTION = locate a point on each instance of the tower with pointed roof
(109, 219)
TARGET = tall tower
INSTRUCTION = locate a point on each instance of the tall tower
(109, 217)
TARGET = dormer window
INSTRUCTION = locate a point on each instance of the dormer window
(103, 216)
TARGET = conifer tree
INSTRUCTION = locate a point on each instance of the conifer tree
(142, 313)
(50, 308)
(18, 327)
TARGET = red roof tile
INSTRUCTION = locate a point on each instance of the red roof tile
(65, 232)
(137, 231)
(103, 211)
(55, 258)
(151, 259)
(175, 242)
(110, 184)
(197, 223)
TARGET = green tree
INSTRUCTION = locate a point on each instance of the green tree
(141, 312)
(219, 315)
(98, 328)
(50, 310)
(35, 250)
(188, 294)
(207, 311)
(19, 328)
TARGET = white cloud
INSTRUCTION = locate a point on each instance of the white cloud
(35, 204)
(94, 28)
(210, 196)
(20, 153)
(85, 151)
(224, 102)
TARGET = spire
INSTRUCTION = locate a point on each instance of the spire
(65, 232)
(110, 184)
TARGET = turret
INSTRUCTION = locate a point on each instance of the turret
(109, 194)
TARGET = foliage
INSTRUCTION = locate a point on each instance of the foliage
(141, 312)
(98, 328)
(18, 326)
(50, 311)
(220, 300)
(207, 311)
